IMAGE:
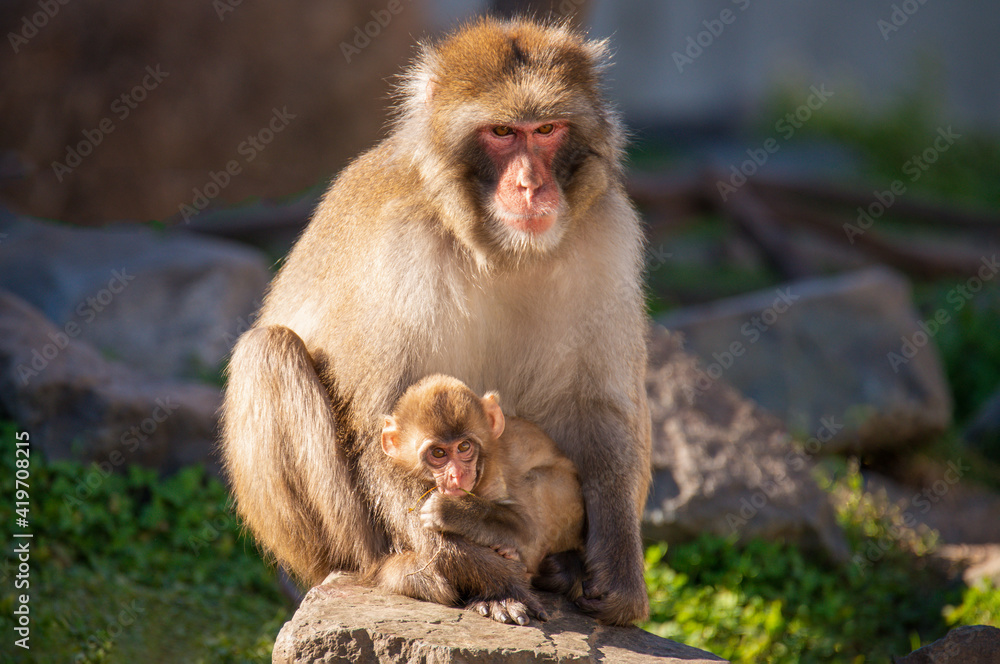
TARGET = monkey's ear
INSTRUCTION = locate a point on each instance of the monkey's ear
(491, 403)
(390, 437)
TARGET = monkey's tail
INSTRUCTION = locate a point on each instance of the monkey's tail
(290, 479)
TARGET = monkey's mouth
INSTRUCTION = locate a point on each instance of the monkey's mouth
(452, 491)
(534, 222)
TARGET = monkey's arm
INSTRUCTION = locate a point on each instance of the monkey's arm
(495, 524)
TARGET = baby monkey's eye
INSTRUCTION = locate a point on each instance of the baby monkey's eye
(438, 453)
(464, 446)
(545, 129)
(502, 130)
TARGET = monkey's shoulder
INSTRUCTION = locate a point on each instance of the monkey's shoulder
(530, 448)
(380, 187)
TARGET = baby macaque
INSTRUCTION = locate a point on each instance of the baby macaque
(499, 482)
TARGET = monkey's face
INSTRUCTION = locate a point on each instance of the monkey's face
(508, 126)
(525, 198)
(452, 464)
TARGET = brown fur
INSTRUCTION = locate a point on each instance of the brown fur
(402, 273)
(526, 497)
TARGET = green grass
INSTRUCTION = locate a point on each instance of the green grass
(134, 568)
(768, 602)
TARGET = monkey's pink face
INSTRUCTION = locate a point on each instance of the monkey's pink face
(527, 196)
(453, 465)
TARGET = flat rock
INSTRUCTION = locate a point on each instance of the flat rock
(973, 562)
(975, 644)
(170, 303)
(961, 511)
(848, 347)
(76, 404)
(722, 465)
(341, 621)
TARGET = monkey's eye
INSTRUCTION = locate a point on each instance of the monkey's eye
(502, 130)
(464, 446)
(545, 129)
(438, 453)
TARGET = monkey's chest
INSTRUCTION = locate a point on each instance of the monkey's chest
(516, 344)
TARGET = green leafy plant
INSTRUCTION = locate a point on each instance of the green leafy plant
(134, 567)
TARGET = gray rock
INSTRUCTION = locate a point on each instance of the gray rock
(76, 404)
(848, 348)
(976, 644)
(170, 304)
(972, 562)
(722, 465)
(340, 621)
(960, 510)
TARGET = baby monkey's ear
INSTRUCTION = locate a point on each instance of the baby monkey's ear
(390, 438)
(494, 415)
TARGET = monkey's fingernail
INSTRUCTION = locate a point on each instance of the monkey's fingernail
(522, 620)
(504, 618)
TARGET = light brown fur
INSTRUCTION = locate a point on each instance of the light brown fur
(401, 274)
(526, 497)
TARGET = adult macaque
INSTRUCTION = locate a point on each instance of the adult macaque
(499, 482)
(487, 237)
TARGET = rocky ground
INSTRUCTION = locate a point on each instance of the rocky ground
(109, 334)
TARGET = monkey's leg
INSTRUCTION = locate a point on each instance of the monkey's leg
(483, 522)
(454, 569)
(291, 481)
(614, 487)
(497, 586)
(414, 575)
(561, 573)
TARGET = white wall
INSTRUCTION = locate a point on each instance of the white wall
(839, 43)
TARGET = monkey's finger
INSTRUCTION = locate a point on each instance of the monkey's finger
(518, 611)
(491, 609)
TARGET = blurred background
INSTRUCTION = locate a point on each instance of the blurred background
(820, 183)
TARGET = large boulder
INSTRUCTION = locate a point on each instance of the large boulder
(848, 348)
(170, 304)
(722, 465)
(76, 404)
(975, 644)
(340, 621)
